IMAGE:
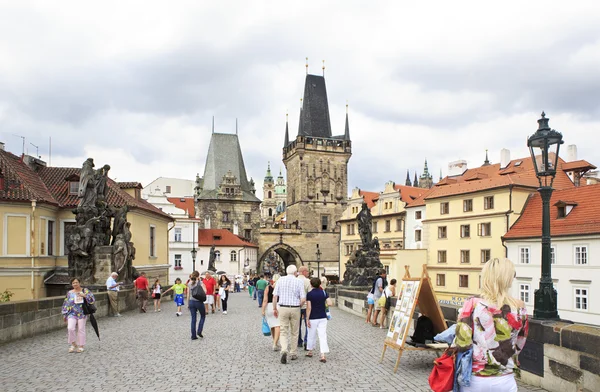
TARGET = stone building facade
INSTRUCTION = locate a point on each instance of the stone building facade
(225, 198)
(317, 182)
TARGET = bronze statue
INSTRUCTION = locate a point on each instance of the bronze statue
(365, 219)
(211, 259)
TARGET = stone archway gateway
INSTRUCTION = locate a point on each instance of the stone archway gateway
(288, 254)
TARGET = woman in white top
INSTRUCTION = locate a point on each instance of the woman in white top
(390, 292)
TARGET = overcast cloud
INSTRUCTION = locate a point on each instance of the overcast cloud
(135, 84)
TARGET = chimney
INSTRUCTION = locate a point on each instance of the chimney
(571, 153)
(457, 168)
(504, 158)
(2, 146)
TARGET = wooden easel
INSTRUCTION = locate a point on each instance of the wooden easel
(414, 291)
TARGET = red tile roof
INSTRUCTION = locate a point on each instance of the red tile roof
(184, 203)
(578, 165)
(369, 197)
(584, 218)
(55, 179)
(519, 172)
(130, 185)
(221, 237)
(20, 182)
(420, 201)
(409, 193)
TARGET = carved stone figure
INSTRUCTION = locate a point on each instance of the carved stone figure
(87, 186)
(120, 254)
(211, 259)
(119, 222)
(101, 176)
(365, 219)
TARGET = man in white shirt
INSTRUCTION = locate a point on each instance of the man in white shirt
(112, 286)
(303, 276)
(288, 296)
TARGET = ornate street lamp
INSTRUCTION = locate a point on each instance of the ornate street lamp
(194, 252)
(544, 145)
(318, 260)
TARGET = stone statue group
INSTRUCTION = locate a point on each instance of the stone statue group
(93, 217)
(364, 264)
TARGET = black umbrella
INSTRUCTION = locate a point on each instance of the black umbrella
(221, 273)
(89, 310)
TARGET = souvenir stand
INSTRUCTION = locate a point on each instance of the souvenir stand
(413, 292)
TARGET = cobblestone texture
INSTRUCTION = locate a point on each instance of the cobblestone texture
(153, 351)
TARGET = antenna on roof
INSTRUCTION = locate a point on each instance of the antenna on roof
(346, 106)
(323, 68)
(37, 151)
(236, 128)
(307, 65)
(22, 137)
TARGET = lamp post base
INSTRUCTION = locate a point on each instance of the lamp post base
(545, 302)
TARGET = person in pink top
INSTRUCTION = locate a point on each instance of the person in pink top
(495, 327)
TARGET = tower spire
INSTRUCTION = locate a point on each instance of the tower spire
(306, 65)
(323, 68)
(440, 174)
(286, 141)
(407, 182)
(487, 161)
(416, 182)
(347, 128)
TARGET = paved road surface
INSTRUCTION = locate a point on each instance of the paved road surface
(154, 352)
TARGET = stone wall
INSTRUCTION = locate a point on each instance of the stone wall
(558, 356)
(22, 319)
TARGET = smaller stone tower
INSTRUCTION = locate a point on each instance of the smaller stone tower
(269, 204)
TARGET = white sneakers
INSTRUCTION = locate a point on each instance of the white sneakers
(178, 314)
(224, 312)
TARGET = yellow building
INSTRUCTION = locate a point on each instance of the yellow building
(387, 209)
(467, 213)
(36, 205)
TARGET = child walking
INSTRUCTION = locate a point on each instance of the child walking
(156, 291)
(179, 290)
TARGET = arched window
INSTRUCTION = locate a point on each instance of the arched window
(233, 256)
(217, 255)
(270, 212)
(270, 195)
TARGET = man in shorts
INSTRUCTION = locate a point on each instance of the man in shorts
(378, 288)
(209, 283)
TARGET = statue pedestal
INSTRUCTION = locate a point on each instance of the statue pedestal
(103, 263)
(364, 268)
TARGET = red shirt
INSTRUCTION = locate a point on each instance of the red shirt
(141, 283)
(210, 285)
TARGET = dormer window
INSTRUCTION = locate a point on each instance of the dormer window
(73, 187)
(564, 208)
(216, 237)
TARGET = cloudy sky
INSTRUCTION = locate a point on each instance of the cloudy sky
(135, 84)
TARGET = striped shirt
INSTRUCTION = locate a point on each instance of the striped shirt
(289, 291)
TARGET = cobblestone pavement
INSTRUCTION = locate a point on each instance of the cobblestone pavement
(153, 351)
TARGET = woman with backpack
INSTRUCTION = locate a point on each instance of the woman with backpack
(495, 327)
(196, 305)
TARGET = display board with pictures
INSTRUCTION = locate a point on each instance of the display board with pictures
(413, 292)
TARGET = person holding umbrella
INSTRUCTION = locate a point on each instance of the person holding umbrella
(74, 316)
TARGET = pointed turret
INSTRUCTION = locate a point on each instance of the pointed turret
(286, 141)
(487, 161)
(407, 182)
(347, 131)
(416, 182)
(440, 175)
(425, 169)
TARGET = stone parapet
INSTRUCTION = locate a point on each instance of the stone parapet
(558, 356)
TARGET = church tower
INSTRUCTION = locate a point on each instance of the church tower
(426, 179)
(269, 203)
(316, 163)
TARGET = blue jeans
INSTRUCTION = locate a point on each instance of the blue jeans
(302, 320)
(197, 306)
(261, 295)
